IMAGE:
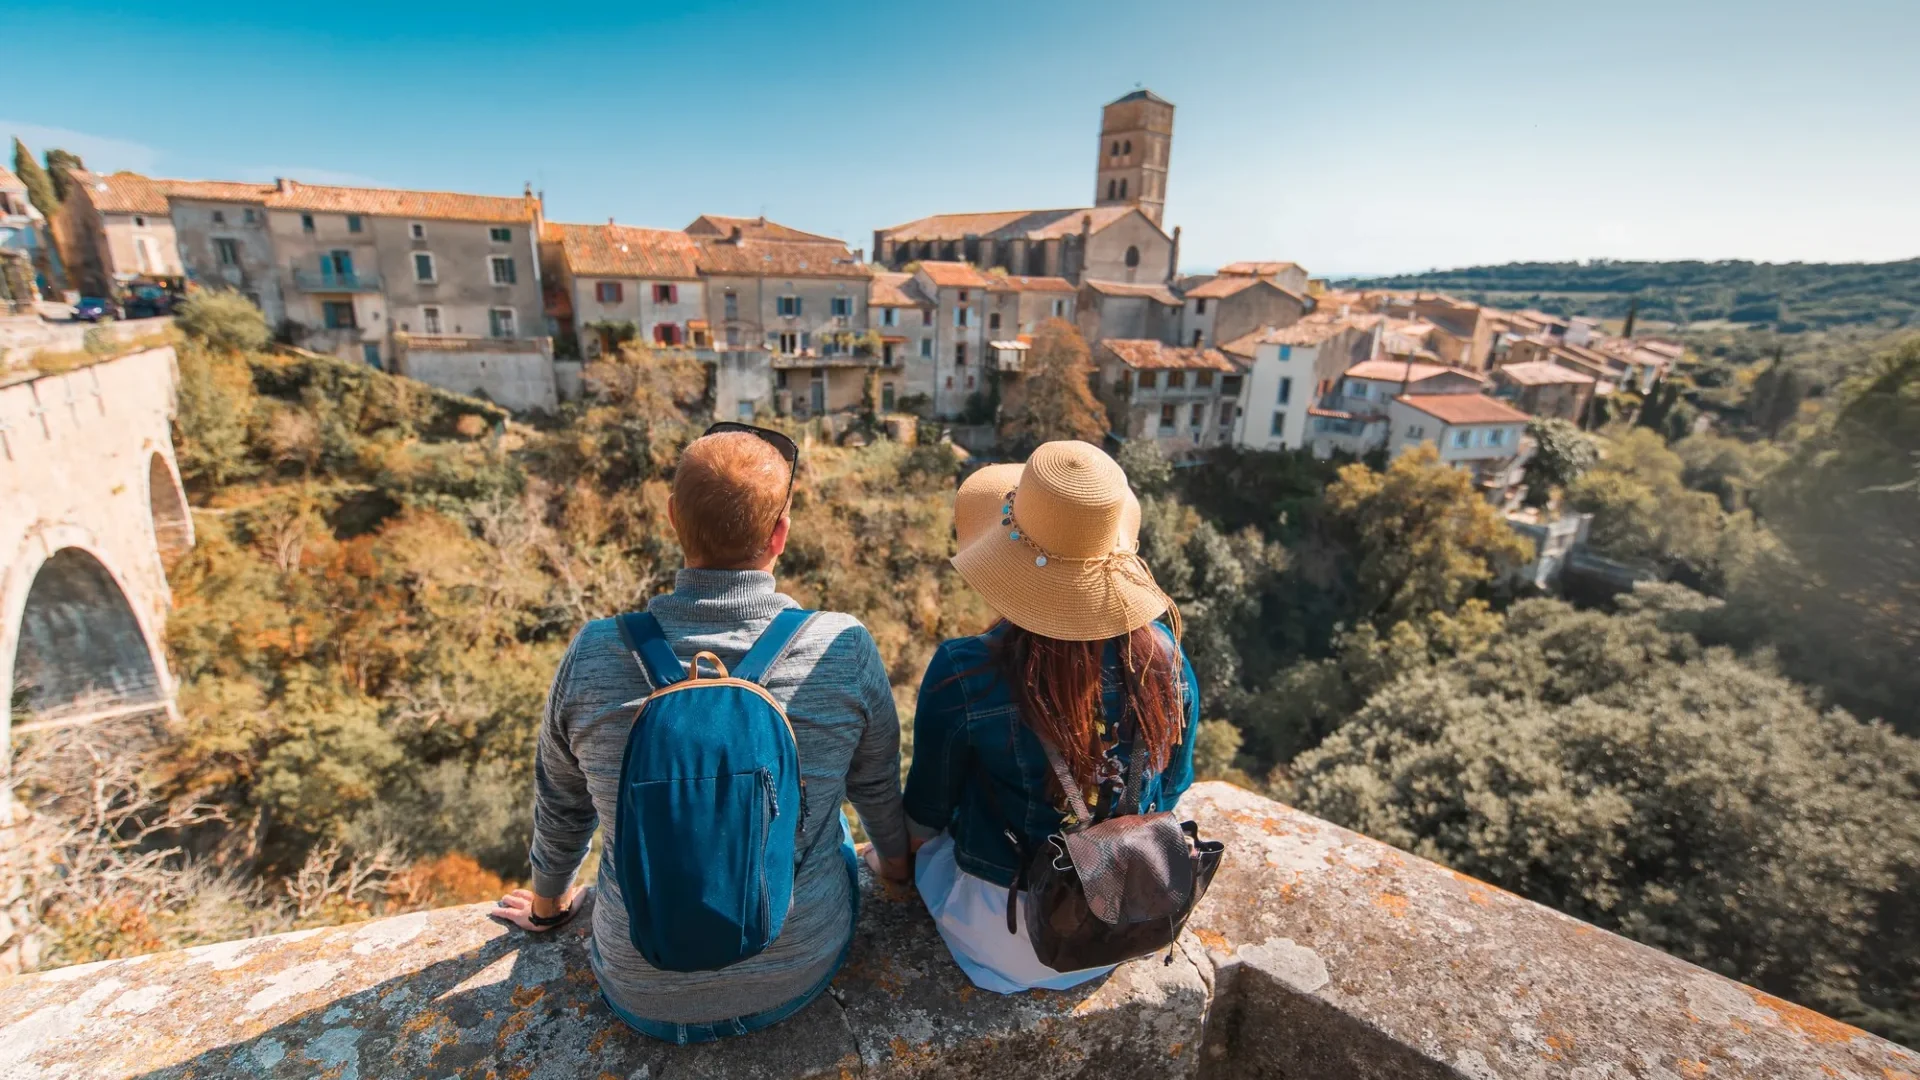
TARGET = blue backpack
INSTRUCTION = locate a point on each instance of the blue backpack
(712, 804)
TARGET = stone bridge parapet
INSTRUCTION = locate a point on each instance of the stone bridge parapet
(1319, 953)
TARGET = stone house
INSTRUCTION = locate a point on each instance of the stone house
(1288, 368)
(961, 296)
(1182, 397)
(1116, 310)
(1350, 411)
(775, 305)
(1104, 243)
(903, 316)
(221, 229)
(117, 228)
(1228, 307)
(1545, 390)
(1462, 334)
(368, 265)
(1471, 431)
(620, 281)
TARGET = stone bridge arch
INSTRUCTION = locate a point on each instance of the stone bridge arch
(91, 514)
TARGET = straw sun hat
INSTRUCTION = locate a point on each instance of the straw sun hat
(1052, 545)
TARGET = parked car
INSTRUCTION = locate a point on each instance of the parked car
(148, 301)
(95, 308)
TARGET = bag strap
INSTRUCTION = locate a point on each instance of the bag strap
(1068, 784)
(772, 643)
(648, 644)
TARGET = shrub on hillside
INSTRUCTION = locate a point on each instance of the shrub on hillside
(225, 320)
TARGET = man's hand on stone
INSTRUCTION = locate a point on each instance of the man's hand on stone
(537, 914)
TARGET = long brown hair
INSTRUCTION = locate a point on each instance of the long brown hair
(1058, 686)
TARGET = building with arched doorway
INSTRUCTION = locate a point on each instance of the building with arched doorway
(93, 514)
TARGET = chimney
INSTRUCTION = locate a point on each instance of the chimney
(733, 235)
(282, 185)
(1173, 257)
(609, 220)
(529, 190)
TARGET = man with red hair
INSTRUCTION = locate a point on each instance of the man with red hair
(730, 507)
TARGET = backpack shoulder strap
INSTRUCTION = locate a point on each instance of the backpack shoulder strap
(772, 644)
(648, 643)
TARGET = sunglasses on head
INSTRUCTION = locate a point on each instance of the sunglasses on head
(788, 449)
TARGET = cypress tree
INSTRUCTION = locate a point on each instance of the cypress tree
(58, 162)
(40, 189)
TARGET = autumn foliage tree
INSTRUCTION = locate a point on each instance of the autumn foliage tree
(1056, 399)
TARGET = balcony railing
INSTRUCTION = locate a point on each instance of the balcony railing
(317, 282)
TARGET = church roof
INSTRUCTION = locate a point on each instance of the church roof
(1009, 224)
(1142, 94)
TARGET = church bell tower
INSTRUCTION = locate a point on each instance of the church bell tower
(1136, 134)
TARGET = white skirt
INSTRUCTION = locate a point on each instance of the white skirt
(971, 914)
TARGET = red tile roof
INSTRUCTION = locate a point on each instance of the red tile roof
(1541, 373)
(1400, 371)
(625, 251)
(888, 289)
(1154, 355)
(1127, 288)
(10, 181)
(132, 193)
(1464, 408)
(1008, 224)
(396, 202)
(1028, 283)
(1223, 286)
(1309, 331)
(955, 275)
(1261, 269)
(753, 228)
(123, 192)
(776, 258)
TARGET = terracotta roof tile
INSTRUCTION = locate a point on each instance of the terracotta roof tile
(10, 181)
(1223, 286)
(889, 289)
(1007, 224)
(1399, 371)
(1242, 347)
(955, 275)
(1311, 330)
(1154, 356)
(777, 258)
(1542, 373)
(1261, 269)
(396, 202)
(122, 192)
(217, 190)
(1464, 408)
(625, 251)
(1030, 283)
(1127, 288)
(754, 228)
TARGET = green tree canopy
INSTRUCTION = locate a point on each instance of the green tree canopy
(1618, 772)
(58, 163)
(1421, 537)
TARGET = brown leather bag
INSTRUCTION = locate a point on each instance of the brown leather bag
(1104, 891)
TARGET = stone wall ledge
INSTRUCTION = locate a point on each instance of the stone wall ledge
(1319, 953)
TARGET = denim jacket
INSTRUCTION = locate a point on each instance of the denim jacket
(967, 732)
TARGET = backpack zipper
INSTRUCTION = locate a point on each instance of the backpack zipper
(766, 837)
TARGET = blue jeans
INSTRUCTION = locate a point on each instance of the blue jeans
(687, 1034)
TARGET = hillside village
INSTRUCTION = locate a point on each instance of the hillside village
(484, 294)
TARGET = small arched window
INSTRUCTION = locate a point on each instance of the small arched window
(1116, 148)
(1133, 257)
(1127, 147)
(1123, 188)
(1112, 186)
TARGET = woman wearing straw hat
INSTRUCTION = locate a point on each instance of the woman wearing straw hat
(1076, 660)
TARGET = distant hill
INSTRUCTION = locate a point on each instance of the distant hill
(1788, 297)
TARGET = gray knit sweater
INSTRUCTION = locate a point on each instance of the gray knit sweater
(835, 691)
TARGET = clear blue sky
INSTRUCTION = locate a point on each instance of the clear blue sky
(1350, 137)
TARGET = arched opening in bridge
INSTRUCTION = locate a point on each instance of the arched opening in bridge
(82, 653)
(172, 528)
